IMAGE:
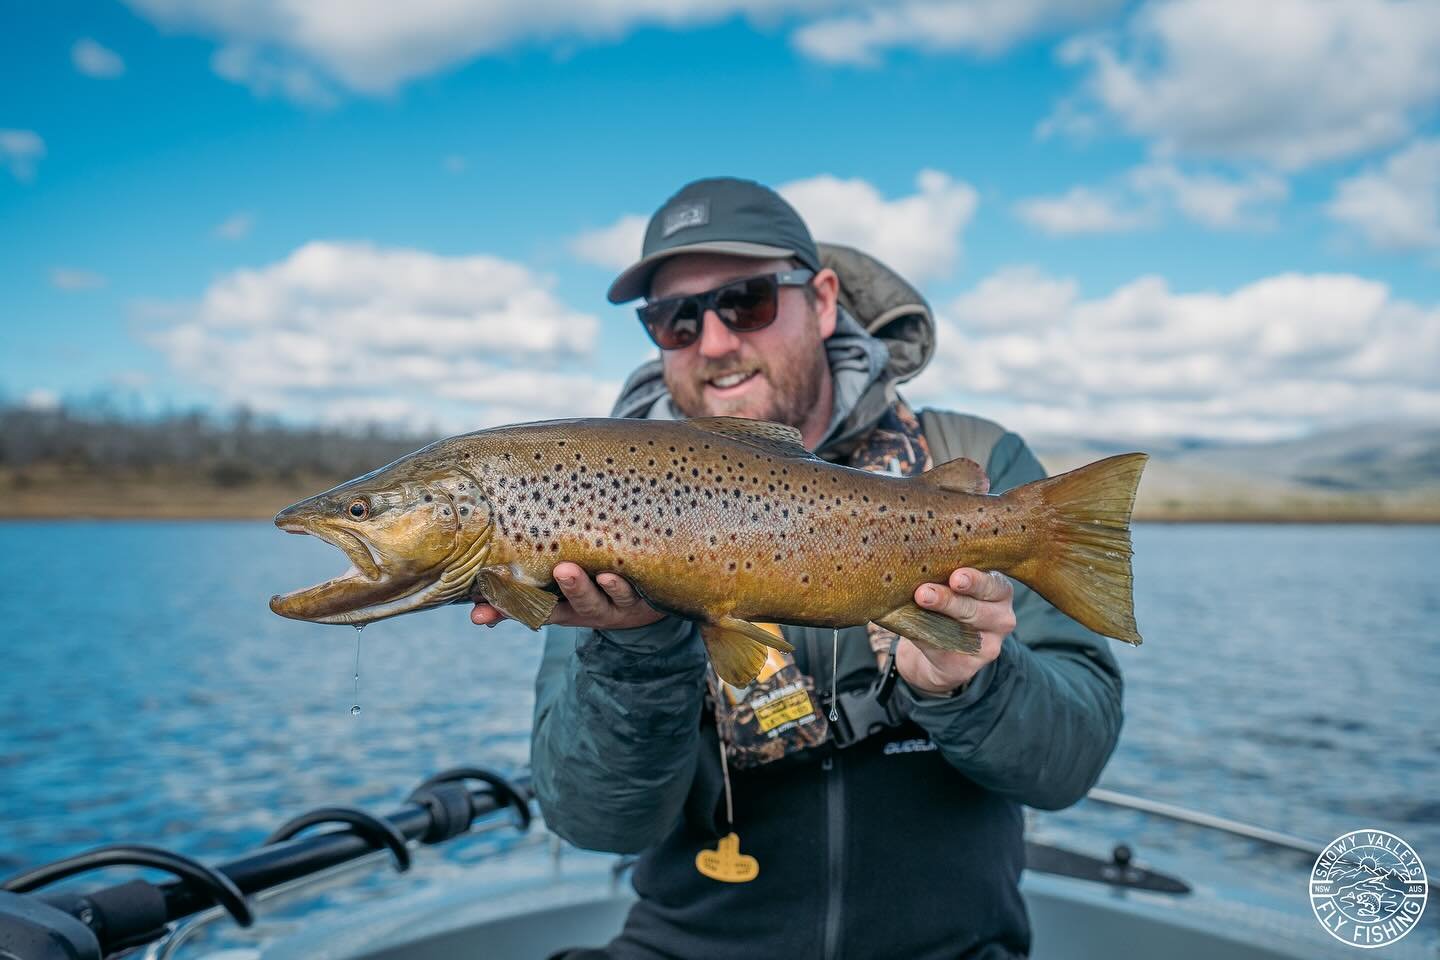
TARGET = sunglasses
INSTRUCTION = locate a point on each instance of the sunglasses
(742, 305)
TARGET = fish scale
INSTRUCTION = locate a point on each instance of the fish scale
(722, 521)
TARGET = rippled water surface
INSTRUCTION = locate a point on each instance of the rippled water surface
(1289, 678)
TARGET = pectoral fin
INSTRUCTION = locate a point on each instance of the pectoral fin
(519, 601)
(737, 649)
(932, 628)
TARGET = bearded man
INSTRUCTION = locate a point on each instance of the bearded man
(862, 798)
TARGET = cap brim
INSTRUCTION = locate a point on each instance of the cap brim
(635, 281)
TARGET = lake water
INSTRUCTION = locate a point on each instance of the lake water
(1290, 678)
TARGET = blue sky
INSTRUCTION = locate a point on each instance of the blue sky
(1154, 218)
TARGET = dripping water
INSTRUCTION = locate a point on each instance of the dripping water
(355, 708)
(834, 672)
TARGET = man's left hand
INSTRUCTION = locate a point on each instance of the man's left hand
(978, 599)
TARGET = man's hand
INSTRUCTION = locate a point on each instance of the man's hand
(613, 605)
(983, 601)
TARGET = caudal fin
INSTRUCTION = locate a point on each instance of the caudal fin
(1082, 565)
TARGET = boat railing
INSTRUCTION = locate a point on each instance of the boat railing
(1170, 811)
(163, 916)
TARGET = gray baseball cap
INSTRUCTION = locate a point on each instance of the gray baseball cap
(718, 215)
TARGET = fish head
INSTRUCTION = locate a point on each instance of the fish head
(414, 531)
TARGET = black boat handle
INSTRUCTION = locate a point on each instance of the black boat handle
(220, 887)
(503, 789)
(380, 832)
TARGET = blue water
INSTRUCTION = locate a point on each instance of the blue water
(1289, 678)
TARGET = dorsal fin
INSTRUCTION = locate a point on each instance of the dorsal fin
(962, 476)
(765, 434)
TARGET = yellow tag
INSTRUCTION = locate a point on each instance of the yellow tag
(791, 706)
(726, 863)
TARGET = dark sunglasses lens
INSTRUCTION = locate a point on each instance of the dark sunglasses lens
(673, 323)
(748, 305)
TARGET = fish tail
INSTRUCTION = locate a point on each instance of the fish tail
(1083, 563)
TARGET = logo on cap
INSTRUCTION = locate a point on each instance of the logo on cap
(695, 214)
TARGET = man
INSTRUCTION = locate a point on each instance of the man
(769, 823)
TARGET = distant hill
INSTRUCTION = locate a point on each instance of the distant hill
(1378, 471)
(64, 463)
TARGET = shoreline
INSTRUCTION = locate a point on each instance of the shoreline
(1260, 517)
(64, 494)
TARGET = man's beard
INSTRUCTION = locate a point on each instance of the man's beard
(794, 388)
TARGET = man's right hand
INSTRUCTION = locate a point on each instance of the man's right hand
(611, 605)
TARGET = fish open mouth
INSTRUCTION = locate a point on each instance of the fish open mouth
(357, 550)
(342, 599)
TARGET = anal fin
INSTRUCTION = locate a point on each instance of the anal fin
(737, 649)
(520, 601)
(932, 628)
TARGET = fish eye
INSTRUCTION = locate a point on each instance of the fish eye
(359, 508)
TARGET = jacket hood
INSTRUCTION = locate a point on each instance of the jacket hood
(884, 335)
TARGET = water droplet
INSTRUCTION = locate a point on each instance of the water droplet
(355, 710)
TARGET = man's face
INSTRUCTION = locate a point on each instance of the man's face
(776, 373)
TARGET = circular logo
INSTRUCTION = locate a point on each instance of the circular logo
(1368, 888)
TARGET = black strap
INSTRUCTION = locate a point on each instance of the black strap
(863, 713)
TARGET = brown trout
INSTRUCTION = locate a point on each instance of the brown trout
(720, 520)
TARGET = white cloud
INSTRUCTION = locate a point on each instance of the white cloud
(1397, 206)
(307, 50)
(269, 73)
(1141, 196)
(1292, 83)
(616, 246)
(71, 278)
(304, 48)
(1209, 199)
(1013, 299)
(237, 226)
(1272, 358)
(1081, 210)
(350, 331)
(94, 60)
(41, 399)
(918, 234)
(19, 150)
(978, 26)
